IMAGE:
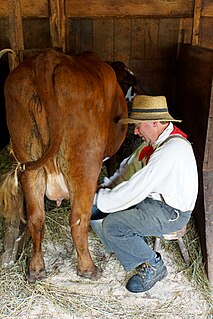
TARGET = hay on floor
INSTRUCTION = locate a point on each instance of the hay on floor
(184, 293)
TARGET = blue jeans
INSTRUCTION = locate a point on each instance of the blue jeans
(124, 232)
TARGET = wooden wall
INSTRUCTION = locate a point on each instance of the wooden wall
(145, 35)
(195, 108)
(149, 46)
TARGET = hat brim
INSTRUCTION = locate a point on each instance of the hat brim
(128, 120)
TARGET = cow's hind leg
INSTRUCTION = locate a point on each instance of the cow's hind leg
(79, 223)
(33, 184)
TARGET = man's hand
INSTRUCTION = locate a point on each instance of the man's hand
(99, 186)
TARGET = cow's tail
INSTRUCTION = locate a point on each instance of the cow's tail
(11, 196)
(44, 68)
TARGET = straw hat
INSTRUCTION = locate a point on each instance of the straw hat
(148, 108)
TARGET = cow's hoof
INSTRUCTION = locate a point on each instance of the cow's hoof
(94, 274)
(33, 276)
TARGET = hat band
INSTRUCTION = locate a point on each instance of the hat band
(148, 110)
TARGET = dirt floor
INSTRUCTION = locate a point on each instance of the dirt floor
(65, 295)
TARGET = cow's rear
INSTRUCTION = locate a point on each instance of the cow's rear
(62, 114)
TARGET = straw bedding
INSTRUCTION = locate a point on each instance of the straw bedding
(184, 293)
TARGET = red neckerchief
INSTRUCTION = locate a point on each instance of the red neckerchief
(147, 151)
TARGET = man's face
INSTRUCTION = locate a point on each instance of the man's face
(148, 131)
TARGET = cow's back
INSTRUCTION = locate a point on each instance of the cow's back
(91, 104)
(82, 107)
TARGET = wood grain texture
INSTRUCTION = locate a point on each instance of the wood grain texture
(112, 8)
(207, 8)
(195, 105)
(58, 24)
(108, 8)
(196, 22)
(103, 38)
(122, 39)
(15, 25)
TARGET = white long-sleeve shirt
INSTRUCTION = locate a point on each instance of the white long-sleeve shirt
(171, 174)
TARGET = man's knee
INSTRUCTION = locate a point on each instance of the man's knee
(111, 224)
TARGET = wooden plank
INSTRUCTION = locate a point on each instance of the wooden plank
(108, 8)
(77, 8)
(74, 35)
(208, 159)
(37, 35)
(151, 38)
(207, 10)
(58, 24)
(168, 38)
(15, 31)
(155, 64)
(32, 8)
(208, 204)
(145, 38)
(195, 106)
(195, 78)
(80, 35)
(4, 33)
(86, 35)
(138, 38)
(112, 8)
(208, 187)
(3, 8)
(122, 40)
(15, 25)
(156, 76)
(187, 24)
(103, 31)
(206, 32)
(196, 22)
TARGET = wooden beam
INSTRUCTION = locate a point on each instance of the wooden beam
(108, 8)
(15, 31)
(125, 8)
(58, 24)
(196, 22)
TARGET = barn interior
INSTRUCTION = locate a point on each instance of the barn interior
(167, 44)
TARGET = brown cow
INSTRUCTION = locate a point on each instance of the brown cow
(62, 114)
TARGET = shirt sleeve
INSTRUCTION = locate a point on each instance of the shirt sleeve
(146, 180)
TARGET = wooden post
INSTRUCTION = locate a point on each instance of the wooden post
(207, 189)
(196, 22)
(15, 31)
(58, 24)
